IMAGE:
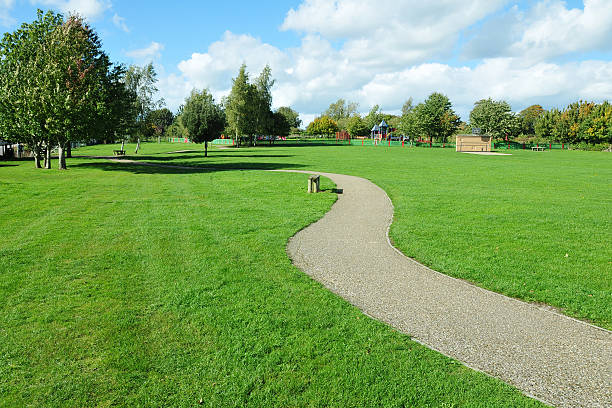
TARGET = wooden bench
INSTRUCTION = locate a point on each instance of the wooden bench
(119, 152)
(537, 148)
(314, 185)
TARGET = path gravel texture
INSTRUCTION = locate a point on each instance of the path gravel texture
(552, 357)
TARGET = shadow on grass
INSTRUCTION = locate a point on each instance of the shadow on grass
(8, 165)
(153, 168)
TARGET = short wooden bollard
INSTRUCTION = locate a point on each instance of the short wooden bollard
(314, 185)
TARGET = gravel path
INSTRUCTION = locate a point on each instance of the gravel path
(547, 355)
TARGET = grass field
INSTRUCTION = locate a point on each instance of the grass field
(131, 285)
(534, 225)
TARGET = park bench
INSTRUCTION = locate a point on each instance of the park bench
(314, 185)
(538, 148)
(119, 152)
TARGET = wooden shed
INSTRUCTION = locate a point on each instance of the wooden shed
(473, 143)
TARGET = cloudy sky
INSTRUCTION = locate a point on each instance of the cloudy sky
(550, 52)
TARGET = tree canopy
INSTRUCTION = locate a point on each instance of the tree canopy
(495, 118)
(203, 118)
(56, 85)
(436, 118)
(323, 125)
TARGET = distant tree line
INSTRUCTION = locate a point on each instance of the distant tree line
(581, 123)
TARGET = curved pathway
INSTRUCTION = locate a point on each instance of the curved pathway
(549, 356)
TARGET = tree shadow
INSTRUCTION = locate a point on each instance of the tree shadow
(153, 168)
(8, 165)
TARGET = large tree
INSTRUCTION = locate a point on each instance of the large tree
(241, 107)
(203, 118)
(24, 95)
(159, 120)
(436, 118)
(356, 126)
(52, 78)
(495, 118)
(141, 82)
(293, 118)
(323, 125)
(263, 99)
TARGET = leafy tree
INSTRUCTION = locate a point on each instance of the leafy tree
(493, 117)
(528, 118)
(323, 125)
(203, 118)
(340, 111)
(141, 82)
(356, 126)
(117, 113)
(241, 106)
(436, 118)
(293, 118)
(57, 71)
(408, 124)
(545, 127)
(281, 126)
(24, 96)
(159, 120)
(264, 116)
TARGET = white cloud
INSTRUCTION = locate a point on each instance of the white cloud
(120, 23)
(344, 54)
(90, 9)
(549, 29)
(389, 33)
(147, 54)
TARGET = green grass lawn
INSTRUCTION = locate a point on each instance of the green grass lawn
(534, 225)
(138, 286)
(130, 285)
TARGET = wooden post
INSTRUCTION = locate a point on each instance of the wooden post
(314, 185)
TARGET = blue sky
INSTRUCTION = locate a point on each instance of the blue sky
(550, 52)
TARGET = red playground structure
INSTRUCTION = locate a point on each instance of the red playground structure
(343, 136)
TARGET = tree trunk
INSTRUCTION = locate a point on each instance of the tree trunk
(137, 146)
(37, 153)
(61, 153)
(158, 138)
(122, 144)
(237, 139)
(205, 148)
(48, 156)
(69, 150)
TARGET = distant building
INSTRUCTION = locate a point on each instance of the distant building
(473, 143)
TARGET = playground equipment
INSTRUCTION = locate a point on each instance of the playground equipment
(343, 136)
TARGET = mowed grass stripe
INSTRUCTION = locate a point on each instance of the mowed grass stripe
(164, 287)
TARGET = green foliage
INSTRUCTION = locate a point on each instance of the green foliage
(241, 107)
(292, 117)
(580, 123)
(160, 120)
(529, 117)
(140, 81)
(281, 126)
(340, 112)
(408, 123)
(203, 118)
(56, 84)
(356, 126)
(436, 118)
(323, 125)
(495, 118)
